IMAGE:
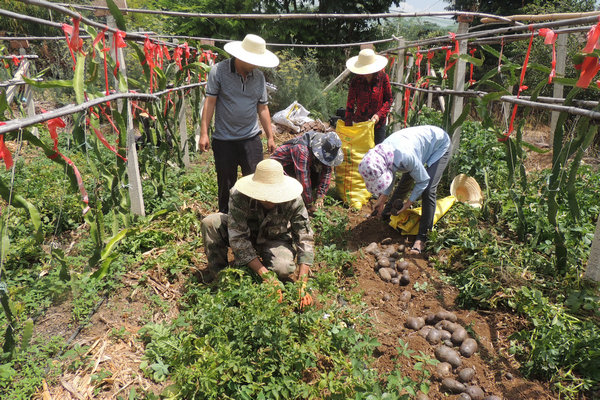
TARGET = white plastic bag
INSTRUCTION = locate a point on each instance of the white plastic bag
(293, 117)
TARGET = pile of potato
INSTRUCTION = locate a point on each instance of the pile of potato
(442, 330)
(390, 264)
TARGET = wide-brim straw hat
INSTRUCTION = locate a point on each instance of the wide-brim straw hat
(269, 183)
(466, 190)
(327, 147)
(252, 50)
(366, 62)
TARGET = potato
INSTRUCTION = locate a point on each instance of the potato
(401, 248)
(449, 355)
(421, 396)
(395, 281)
(414, 323)
(463, 396)
(383, 262)
(385, 275)
(459, 335)
(405, 278)
(447, 315)
(448, 343)
(468, 347)
(371, 248)
(475, 392)
(450, 385)
(445, 334)
(386, 297)
(434, 336)
(443, 370)
(393, 272)
(466, 375)
(405, 296)
(424, 331)
(447, 325)
(492, 397)
(430, 319)
(402, 265)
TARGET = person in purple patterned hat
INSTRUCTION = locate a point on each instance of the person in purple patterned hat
(420, 154)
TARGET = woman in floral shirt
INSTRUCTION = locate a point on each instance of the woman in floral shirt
(370, 93)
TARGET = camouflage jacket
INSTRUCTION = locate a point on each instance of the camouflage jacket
(249, 224)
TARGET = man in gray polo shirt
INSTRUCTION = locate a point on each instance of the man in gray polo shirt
(235, 93)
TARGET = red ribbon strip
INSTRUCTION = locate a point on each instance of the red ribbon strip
(471, 80)
(592, 38)
(104, 141)
(177, 57)
(53, 125)
(102, 37)
(119, 43)
(4, 152)
(449, 54)
(16, 60)
(149, 51)
(521, 88)
(550, 38)
(406, 104)
(418, 59)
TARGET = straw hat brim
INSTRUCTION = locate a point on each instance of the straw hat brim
(378, 65)
(267, 59)
(466, 190)
(281, 192)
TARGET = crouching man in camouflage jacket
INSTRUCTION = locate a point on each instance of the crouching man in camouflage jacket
(267, 227)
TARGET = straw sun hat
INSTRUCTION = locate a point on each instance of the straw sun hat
(466, 190)
(269, 183)
(366, 62)
(252, 50)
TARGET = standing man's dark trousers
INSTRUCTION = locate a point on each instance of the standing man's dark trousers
(229, 155)
(428, 197)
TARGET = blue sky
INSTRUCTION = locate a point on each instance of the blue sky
(422, 5)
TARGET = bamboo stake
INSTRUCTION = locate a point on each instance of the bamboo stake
(286, 16)
(23, 56)
(400, 78)
(16, 124)
(552, 107)
(541, 17)
(558, 89)
(459, 84)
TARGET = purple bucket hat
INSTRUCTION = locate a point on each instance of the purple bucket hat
(375, 168)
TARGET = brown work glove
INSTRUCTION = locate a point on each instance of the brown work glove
(305, 297)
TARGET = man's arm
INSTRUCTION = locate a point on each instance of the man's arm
(207, 115)
(265, 120)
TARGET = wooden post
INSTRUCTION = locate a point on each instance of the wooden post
(561, 58)
(459, 84)
(441, 96)
(592, 271)
(183, 134)
(133, 170)
(399, 79)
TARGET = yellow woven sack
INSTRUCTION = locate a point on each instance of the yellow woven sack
(407, 222)
(356, 141)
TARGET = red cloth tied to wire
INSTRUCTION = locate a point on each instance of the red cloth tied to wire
(521, 88)
(149, 53)
(471, 80)
(418, 59)
(406, 104)
(53, 125)
(550, 38)
(16, 60)
(74, 43)
(450, 53)
(4, 152)
(119, 43)
(430, 55)
(592, 38)
(590, 65)
(177, 57)
(102, 37)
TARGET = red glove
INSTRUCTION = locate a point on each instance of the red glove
(305, 298)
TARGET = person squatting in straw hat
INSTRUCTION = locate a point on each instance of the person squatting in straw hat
(310, 158)
(267, 227)
(370, 93)
(421, 154)
(235, 92)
